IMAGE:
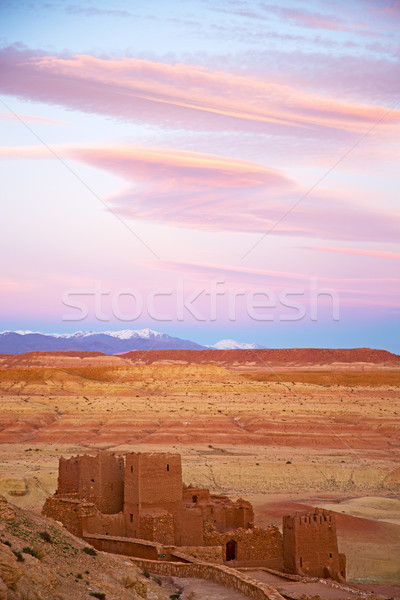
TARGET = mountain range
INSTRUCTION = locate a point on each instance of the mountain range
(107, 342)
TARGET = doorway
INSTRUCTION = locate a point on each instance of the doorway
(231, 548)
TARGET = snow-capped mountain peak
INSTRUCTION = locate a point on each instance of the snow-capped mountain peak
(234, 345)
(128, 334)
(107, 342)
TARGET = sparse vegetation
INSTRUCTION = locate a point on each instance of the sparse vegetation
(18, 555)
(146, 574)
(99, 595)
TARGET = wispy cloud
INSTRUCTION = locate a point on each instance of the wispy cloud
(358, 252)
(354, 291)
(182, 96)
(8, 116)
(93, 11)
(213, 193)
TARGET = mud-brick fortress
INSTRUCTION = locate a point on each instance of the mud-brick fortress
(138, 505)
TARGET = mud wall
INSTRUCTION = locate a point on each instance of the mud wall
(120, 545)
(98, 479)
(251, 546)
(113, 525)
(69, 512)
(157, 528)
(218, 574)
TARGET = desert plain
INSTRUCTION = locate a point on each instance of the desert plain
(286, 432)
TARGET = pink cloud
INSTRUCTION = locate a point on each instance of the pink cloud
(213, 193)
(184, 96)
(206, 192)
(8, 116)
(353, 291)
(311, 20)
(358, 252)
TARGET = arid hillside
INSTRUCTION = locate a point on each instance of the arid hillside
(321, 435)
(40, 559)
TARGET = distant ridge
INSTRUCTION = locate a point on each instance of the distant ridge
(259, 358)
(263, 356)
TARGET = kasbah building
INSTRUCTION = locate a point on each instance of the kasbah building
(137, 505)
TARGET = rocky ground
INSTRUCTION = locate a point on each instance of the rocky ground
(40, 560)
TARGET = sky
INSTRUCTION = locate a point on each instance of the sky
(206, 169)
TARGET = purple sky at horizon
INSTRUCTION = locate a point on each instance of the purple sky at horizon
(218, 171)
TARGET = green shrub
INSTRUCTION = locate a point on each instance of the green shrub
(19, 556)
(89, 550)
(46, 536)
(157, 580)
(36, 552)
(146, 574)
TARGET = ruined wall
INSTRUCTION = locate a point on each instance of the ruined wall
(257, 546)
(69, 512)
(98, 479)
(101, 481)
(194, 495)
(310, 545)
(239, 514)
(224, 514)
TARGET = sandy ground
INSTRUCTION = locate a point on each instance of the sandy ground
(294, 442)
